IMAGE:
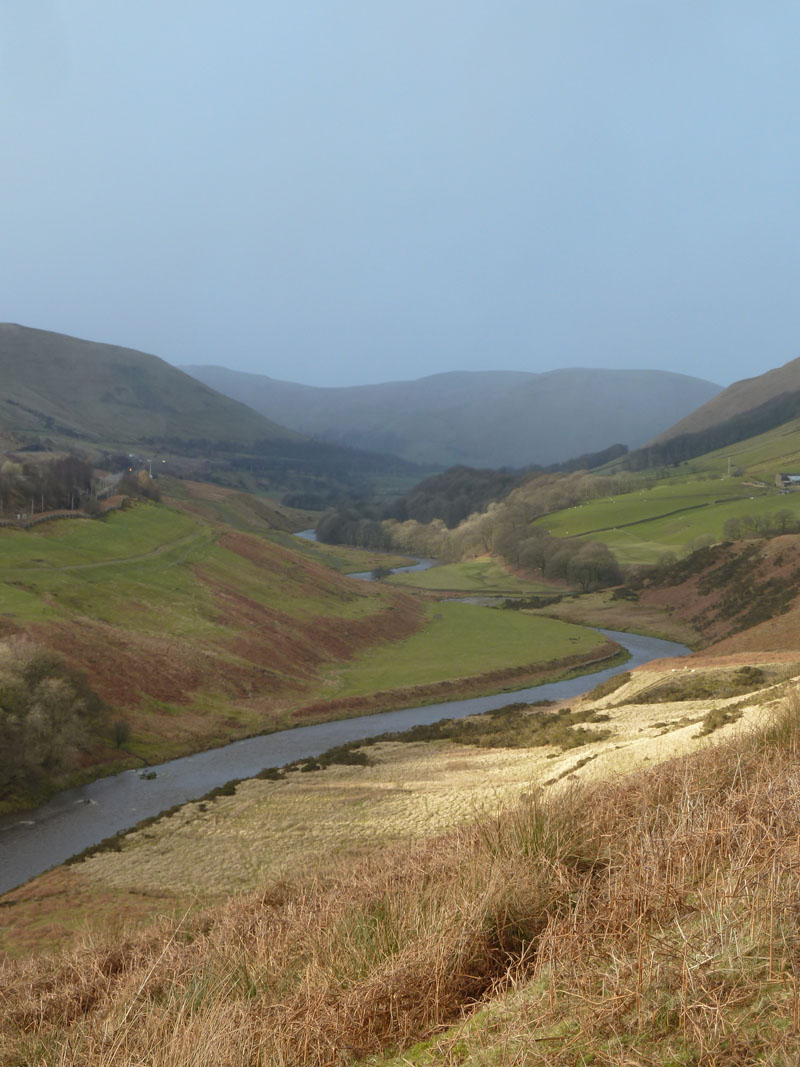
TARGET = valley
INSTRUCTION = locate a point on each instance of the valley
(399, 535)
(454, 867)
(196, 633)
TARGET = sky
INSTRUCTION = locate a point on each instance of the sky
(338, 192)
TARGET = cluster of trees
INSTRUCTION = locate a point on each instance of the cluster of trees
(309, 474)
(461, 491)
(505, 528)
(48, 713)
(349, 526)
(747, 526)
(366, 524)
(42, 486)
(588, 564)
(453, 495)
(31, 486)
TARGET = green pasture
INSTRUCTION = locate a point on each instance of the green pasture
(461, 641)
(646, 541)
(663, 499)
(485, 576)
(151, 569)
(761, 457)
(640, 527)
(134, 532)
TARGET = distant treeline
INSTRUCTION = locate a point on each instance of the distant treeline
(461, 491)
(507, 528)
(453, 495)
(737, 428)
(449, 497)
(745, 527)
(310, 474)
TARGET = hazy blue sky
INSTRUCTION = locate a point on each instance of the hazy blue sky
(361, 190)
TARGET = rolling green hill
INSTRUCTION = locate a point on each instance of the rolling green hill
(479, 419)
(67, 388)
(694, 502)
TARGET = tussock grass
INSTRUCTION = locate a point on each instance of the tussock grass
(648, 920)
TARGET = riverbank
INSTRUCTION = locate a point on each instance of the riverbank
(511, 679)
(304, 823)
(79, 818)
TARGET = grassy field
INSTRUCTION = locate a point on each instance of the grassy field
(641, 526)
(475, 576)
(673, 494)
(759, 457)
(692, 503)
(461, 640)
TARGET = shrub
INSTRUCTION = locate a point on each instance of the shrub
(48, 712)
(610, 685)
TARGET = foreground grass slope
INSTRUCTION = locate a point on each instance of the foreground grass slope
(295, 823)
(650, 919)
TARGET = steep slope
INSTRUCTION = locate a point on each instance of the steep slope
(743, 596)
(66, 387)
(483, 419)
(741, 397)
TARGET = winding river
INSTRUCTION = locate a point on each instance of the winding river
(33, 841)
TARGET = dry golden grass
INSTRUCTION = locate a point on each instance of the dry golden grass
(295, 828)
(645, 920)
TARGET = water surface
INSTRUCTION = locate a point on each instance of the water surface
(73, 820)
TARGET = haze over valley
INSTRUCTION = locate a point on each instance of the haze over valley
(399, 535)
(479, 418)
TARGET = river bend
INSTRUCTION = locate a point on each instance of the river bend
(33, 841)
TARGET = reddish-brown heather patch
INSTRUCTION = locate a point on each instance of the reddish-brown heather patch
(776, 560)
(55, 909)
(257, 648)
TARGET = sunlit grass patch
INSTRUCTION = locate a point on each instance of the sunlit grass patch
(462, 641)
(640, 527)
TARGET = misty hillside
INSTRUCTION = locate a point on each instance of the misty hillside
(64, 387)
(764, 392)
(481, 419)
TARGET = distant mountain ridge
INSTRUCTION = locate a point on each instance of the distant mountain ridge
(61, 386)
(477, 418)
